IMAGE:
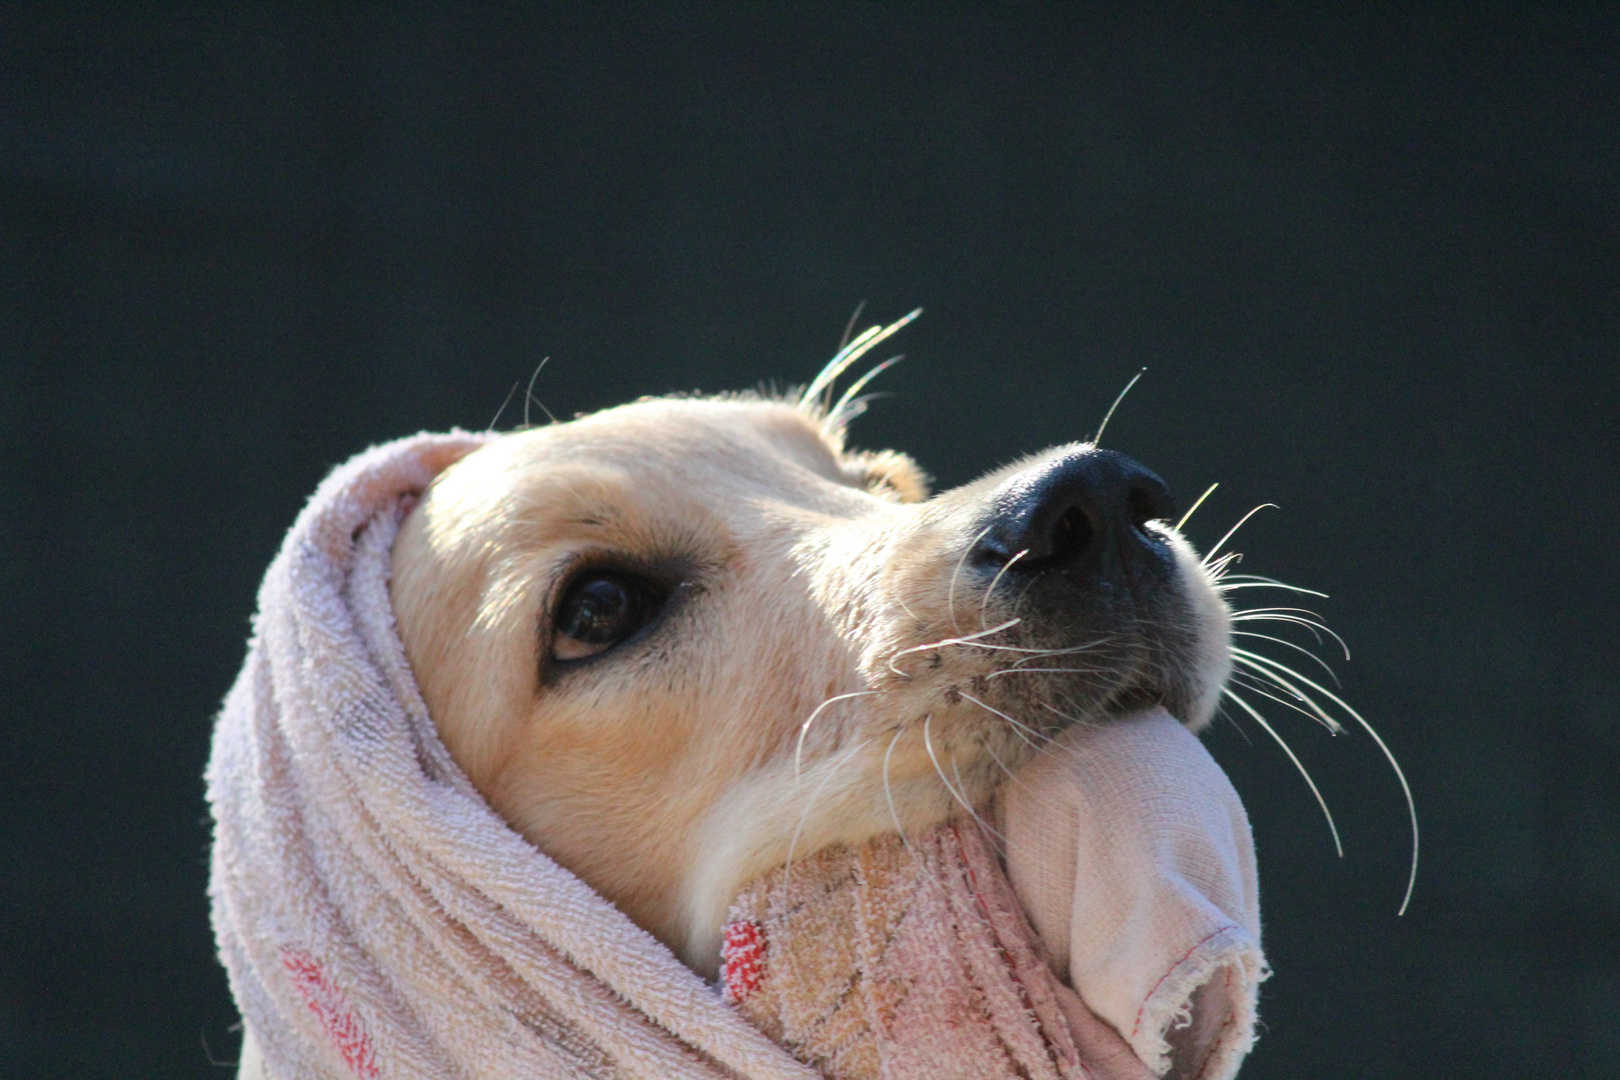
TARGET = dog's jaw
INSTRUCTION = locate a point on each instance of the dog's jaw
(818, 595)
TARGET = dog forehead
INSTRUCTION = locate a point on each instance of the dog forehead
(653, 459)
(664, 447)
(732, 431)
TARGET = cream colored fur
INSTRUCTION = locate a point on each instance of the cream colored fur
(671, 770)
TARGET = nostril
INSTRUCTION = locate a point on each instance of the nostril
(1072, 533)
(1147, 503)
(1079, 513)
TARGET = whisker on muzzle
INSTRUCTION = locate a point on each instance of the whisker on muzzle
(1310, 620)
(984, 605)
(1286, 749)
(1229, 582)
(1296, 647)
(809, 805)
(1050, 671)
(1306, 690)
(804, 728)
(950, 591)
(888, 792)
(1210, 554)
(1022, 730)
(928, 744)
(1011, 776)
(965, 639)
(1047, 654)
(968, 641)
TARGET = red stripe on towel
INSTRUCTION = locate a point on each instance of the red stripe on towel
(743, 954)
(327, 1001)
(1137, 1027)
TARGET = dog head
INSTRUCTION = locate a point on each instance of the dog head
(677, 643)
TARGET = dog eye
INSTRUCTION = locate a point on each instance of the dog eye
(599, 610)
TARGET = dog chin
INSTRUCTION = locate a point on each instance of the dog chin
(761, 823)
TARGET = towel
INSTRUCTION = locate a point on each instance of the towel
(913, 960)
(377, 919)
(1132, 855)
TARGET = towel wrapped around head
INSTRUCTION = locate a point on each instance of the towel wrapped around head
(377, 919)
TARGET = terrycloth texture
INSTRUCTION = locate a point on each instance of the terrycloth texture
(376, 918)
(904, 963)
(1133, 858)
(1131, 854)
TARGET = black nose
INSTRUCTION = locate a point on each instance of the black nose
(1085, 510)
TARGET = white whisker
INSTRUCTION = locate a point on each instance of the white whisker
(1280, 679)
(1019, 728)
(968, 643)
(1060, 714)
(1274, 692)
(1012, 777)
(1308, 619)
(985, 603)
(1207, 493)
(1297, 648)
(849, 406)
(507, 401)
(1222, 542)
(804, 728)
(1269, 730)
(1255, 581)
(950, 592)
(821, 385)
(928, 744)
(528, 395)
(1237, 727)
(1045, 654)
(811, 802)
(1400, 774)
(962, 786)
(857, 408)
(1268, 610)
(965, 639)
(1096, 440)
(836, 366)
(1047, 671)
(1314, 627)
(849, 327)
(907, 609)
(888, 792)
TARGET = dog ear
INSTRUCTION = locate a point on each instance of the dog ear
(888, 473)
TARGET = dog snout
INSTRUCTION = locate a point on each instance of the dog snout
(1084, 514)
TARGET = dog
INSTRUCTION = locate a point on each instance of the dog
(681, 642)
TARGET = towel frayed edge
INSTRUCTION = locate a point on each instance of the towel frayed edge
(1168, 1007)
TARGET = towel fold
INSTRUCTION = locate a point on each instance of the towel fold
(377, 919)
(914, 961)
(1133, 858)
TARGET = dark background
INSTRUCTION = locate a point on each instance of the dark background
(1368, 254)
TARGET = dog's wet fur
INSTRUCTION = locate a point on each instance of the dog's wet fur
(679, 642)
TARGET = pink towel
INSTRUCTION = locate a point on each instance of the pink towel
(1132, 856)
(377, 919)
